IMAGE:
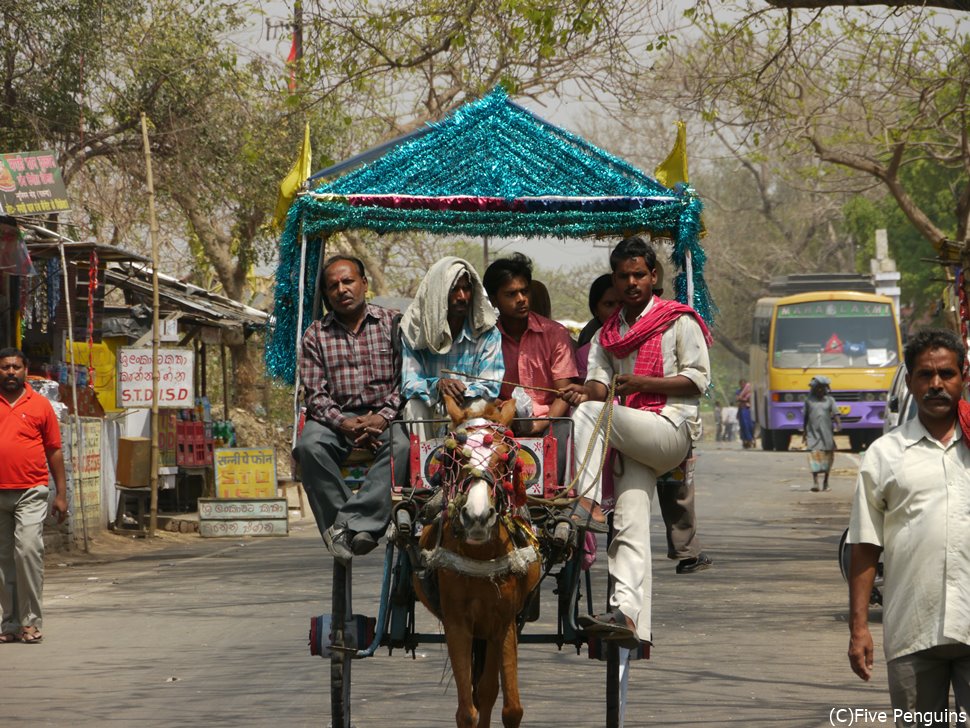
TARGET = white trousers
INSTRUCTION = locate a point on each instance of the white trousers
(650, 445)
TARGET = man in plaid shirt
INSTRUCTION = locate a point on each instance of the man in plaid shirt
(350, 368)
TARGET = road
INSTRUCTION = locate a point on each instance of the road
(214, 632)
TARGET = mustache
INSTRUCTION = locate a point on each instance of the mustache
(941, 394)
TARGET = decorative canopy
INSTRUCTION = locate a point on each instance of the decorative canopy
(490, 168)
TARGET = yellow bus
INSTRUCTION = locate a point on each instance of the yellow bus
(851, 337)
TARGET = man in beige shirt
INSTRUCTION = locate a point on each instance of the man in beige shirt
(657, 349)
(912, 505)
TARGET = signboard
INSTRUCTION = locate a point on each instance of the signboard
(251, 517)
(834, 309)
(176, 368)
(31, 184)
(245, 472)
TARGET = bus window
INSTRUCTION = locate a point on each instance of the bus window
(837, 334)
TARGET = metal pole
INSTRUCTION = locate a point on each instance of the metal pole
(78, 432)
(153, 228)
(299, 335)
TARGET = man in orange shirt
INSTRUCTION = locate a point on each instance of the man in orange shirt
(538, 351)
(30, 441)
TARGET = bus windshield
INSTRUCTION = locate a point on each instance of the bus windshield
(838, 334)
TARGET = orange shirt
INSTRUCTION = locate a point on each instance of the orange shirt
(543, 354)
(28, 431)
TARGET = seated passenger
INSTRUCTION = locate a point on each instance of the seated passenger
(538, 351)
(449, 326)
(350, 369)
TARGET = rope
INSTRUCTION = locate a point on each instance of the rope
(606, 414)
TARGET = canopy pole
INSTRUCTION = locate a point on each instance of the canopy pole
(301, 286)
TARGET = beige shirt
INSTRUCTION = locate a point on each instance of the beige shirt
(913, 499)
(684, 352)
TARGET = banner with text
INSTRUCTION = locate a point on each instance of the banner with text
(176, 384)
(31, 184)
(245, 472)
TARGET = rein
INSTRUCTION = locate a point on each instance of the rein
(603, 421)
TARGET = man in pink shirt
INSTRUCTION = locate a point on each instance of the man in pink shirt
(538, 352)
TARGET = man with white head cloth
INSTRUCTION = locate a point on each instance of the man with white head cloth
(450, 326)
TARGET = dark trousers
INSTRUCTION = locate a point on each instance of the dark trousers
(320, 451)
(920, 683)
(676, 499)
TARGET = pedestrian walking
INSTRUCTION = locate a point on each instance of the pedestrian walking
(820, 423)
(912, 502)
(30, 441)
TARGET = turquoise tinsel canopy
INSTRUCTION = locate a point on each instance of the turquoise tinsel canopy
(490, 168)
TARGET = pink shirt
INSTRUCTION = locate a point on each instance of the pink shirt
(543, 355)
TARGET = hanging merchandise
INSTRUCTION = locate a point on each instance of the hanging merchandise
(53, 287)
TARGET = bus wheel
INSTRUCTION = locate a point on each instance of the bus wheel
(781, 439)
(767, 439)
(857, 440)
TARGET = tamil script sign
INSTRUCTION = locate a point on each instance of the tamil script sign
(31, 184)
(176, 368)
(245, 472)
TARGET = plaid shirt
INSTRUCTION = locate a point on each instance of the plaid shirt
(481, 357)
(341, 370)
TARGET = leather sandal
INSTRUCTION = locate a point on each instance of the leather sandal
(30, 635)
(583, 518)
(613, 625)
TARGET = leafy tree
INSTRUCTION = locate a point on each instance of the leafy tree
(848, 98)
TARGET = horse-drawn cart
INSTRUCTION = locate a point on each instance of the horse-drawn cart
(564, 556)
(490, 169)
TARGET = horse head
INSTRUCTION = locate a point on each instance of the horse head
(481, 470)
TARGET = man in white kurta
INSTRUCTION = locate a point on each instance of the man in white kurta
(652, 428)
(912, 504)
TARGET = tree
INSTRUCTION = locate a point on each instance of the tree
(848, 99)
(222, 130)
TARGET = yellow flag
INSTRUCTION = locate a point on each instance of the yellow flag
(674, 168)
(291, 182)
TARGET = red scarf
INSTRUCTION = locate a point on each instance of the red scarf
(963, 416)
(644, 338)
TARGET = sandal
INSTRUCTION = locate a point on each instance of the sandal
(613, 625)
(583, 517)
(8, 637)
(30, 635)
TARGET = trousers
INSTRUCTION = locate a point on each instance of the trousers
(320, 452)
(676, 498)
(920, 683)
(651, 444)
(22, 513)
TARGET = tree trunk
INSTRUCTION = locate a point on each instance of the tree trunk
(246, 379)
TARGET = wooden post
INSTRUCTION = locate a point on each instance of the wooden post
(225, 382)
(153, 230)
(78, 431)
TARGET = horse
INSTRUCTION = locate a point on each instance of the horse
(485, 557)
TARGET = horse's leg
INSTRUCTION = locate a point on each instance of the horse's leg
(487, 687)
(460, 654)
(511, 705)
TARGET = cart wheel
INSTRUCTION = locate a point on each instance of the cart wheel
(340, 660)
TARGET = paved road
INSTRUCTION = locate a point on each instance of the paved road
(214, 632)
